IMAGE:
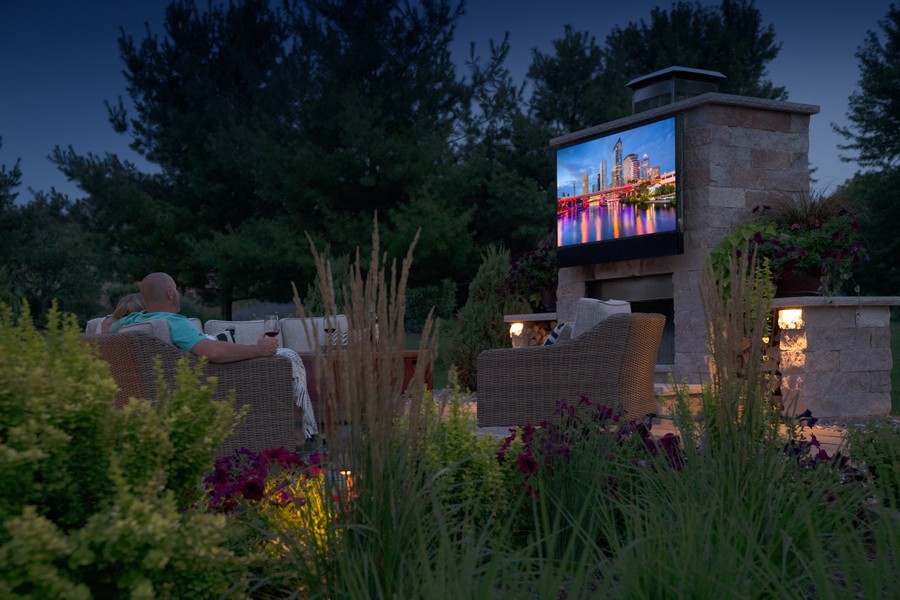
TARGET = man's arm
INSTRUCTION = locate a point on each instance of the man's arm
(224, 352)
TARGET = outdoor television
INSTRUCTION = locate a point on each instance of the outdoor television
(617, 195)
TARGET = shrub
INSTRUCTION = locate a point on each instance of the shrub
(473, 485)
(875, 447)
(421, 300)
(481, 319)
(94, 501)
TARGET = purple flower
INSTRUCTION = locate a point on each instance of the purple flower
(253, 489)
(526, 463)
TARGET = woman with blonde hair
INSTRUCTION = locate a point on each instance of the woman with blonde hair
(127, 304)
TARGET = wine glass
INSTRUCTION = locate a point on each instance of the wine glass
(271, 327)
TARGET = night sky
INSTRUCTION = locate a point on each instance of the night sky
(60, 62)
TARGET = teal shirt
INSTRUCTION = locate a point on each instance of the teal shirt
(184, 334)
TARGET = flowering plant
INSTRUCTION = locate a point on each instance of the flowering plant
(533, 275)
(827, 245)
(288, 492)
(806, 234)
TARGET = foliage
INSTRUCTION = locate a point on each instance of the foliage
(800, 234)
(472, 484)
(282, 504)
(94, 498)
(874, 109)
(47, 256)
(582, 84)
(10, 179)
(875, 447)
(737, 406)
(877, 195)
(533, 273)
(742, 241)
(480, 325)
(813, 234)
(421, 301)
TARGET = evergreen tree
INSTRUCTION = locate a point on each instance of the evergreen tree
(583, 84)
(878, 193)
(874, 110)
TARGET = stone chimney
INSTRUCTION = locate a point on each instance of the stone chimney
(671, 85)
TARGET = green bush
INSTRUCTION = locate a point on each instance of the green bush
(475, 486)
(481, 324)
(419, 301)
(876, 448)
(96, 500)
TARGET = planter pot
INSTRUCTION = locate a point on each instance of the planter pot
(798, 284)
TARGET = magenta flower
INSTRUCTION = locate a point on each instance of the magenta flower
(527, 464)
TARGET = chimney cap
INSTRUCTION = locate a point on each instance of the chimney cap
(674, 73)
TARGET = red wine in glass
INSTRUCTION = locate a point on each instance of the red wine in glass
(271, 326)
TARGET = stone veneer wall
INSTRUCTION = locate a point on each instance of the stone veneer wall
(737, 153)
(836, 360)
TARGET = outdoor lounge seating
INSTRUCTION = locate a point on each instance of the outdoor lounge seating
(611, 363)
(263, 383)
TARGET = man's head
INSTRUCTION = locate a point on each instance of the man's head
(160, 293)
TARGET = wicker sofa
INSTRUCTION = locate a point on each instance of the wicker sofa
(263, 383)
(611, 363)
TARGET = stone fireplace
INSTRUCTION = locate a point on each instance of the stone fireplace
(736, 153)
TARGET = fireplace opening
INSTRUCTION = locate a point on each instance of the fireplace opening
(654, 294)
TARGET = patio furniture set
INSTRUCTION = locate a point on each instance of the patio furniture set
(607, 354)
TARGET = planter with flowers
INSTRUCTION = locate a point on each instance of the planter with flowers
(812, 244)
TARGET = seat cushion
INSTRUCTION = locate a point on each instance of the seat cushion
(242, 332)
(303, 336)
(158, 328)
(591, 311)
(93, 326)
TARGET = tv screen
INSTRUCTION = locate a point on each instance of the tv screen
(617, 195)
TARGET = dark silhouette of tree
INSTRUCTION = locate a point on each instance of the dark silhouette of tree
(878, 194)
(47, 257)
(583, 84)
(874, 110)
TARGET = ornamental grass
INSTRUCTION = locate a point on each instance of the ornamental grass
(408, 500)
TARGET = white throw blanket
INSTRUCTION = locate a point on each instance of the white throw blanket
(301, 395)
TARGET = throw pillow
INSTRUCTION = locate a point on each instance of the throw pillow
(226, 335)
(555, 334)
(591, 311)
(339, 336)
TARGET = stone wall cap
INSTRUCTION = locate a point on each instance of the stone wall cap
(529, 317)
(682, 106)
(801, 301)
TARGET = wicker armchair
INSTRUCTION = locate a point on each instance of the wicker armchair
(263, 383)
(612, 363)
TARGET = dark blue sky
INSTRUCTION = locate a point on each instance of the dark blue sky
(60, 62)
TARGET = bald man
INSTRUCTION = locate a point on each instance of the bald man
(163, 301)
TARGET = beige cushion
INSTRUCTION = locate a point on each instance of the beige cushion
(158, 328)
(93, 326)
(591, 311)
(304, 337)
(245, 332)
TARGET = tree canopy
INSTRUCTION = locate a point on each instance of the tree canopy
(268, 121)
(874, 110)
